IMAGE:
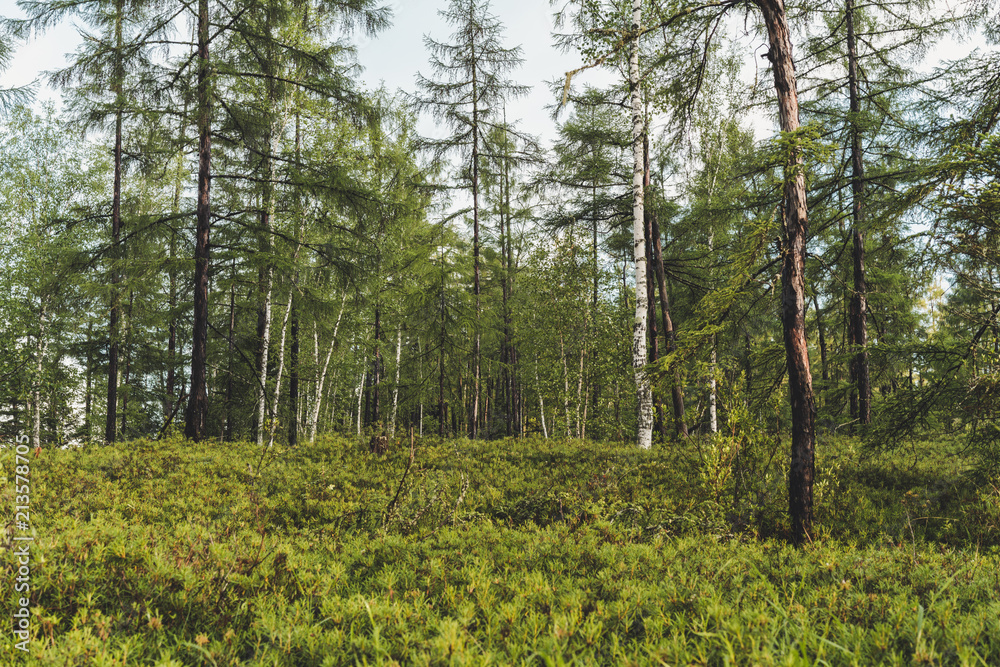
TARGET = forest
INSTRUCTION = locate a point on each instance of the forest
(709, 376)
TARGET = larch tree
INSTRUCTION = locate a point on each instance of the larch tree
(467, 94)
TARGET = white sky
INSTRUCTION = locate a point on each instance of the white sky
(393, 57)
(397, 54)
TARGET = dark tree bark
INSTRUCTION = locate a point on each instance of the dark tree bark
(111, 424)
(669, 335)
(372, 404)
(802, 469)
(196, 416)
(859, 297)
(651, 329)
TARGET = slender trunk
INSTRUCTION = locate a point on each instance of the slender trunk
(197, 409)
(441, 408)
(562, 356)
(314, 419)
(541, 402)
(126, 376)
(669, 335)
(277, 378)
(372, 403)
(41, 347)
(293, 378)
(802, 469)
(228, 436)
(580, 399)
(475, 245)
(361, 385)
(111, 425)
(654, 342)
(859, 298)
(822, 340)
(644, 395)
(395, 384)
(88, 394)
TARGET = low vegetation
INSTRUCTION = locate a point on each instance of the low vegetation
(515, 552)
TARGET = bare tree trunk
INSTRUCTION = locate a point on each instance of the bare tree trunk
(562, 356)
(580, 398)
(669, 335)
(314, 420)
(395, 386)
(277, 378)
(475, 245)
(293, 379)
(802, 469)
(541, 402)
(196, 416)
(229, 359)
(644, 394)
(859, 298)
(41, 348)
(361, 386)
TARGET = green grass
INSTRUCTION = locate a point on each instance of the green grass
(512, 552)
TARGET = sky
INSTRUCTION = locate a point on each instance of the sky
(392, 58)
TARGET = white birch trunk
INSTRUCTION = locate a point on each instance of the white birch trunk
(361, 390)
(644, 394)
(281, 371)
(265, 345)
(314, 418)
(395, 388)
(541, 402)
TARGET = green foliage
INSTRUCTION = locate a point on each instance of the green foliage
(516, 552)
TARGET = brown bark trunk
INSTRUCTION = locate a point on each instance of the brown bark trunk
(802, 469)
(111, 424)
(859, 297)
(669, 335)
(197, 409)
(475, 246)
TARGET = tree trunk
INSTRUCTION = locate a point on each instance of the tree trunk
(314, 419)
(475, 245)
(644, 395)
(293, 379)
(562, 356)
(395, 384)
(228, 436)
(802, 468)
(677, 391)
(541, 402)
(859, 297)
(277, 378)
(653, 334)
(196, 416)
(41, 347)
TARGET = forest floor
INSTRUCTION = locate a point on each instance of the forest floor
(504, 552)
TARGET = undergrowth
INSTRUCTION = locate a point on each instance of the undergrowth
(506, 552)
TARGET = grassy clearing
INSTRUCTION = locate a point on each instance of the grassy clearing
(513, 552)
